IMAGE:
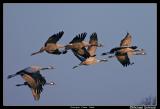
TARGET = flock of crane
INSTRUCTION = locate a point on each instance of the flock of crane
(85, 51)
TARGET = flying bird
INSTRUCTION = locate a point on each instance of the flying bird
(36, 91)
(78, 45)
(91, 50)
(125, 50)
(51, 46)
(33, 79)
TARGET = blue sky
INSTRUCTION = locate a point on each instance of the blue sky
(26, 27)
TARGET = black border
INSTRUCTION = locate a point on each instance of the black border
(62, 1)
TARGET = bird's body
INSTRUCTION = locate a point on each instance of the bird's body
(125, 50)
(51, 46)
(91, 51)
(90, 60)
(36, 91)
(33, 79)
(78, 45)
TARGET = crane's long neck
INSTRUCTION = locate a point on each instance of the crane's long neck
(40, 51)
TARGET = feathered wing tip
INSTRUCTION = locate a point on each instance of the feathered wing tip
(64, 51)
(127, 64)
(10, 76)
(35, 95)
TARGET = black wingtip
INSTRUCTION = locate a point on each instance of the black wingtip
(62, 32)
(64, 52)
(9, 76)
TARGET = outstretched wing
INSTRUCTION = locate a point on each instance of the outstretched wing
(123, 59)
(83, 52)
(126, 41)
(93, 41)
(31, 82)
(54, 38)
(81, 58)
(35, 81)
(79, 38)
(36, 92)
